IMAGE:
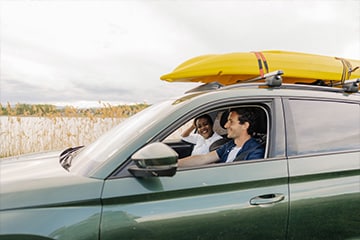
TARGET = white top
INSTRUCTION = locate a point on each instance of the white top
(232, 154)
(201, 144)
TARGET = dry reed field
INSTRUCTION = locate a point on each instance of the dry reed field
(20, 135)
(46, 131)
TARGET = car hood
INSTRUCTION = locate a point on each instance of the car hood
(30, 166)
(39, 179)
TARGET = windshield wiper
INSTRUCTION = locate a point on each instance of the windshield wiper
(67, 155)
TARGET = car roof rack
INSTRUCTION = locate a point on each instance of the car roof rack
(350, 86)
(274, 80)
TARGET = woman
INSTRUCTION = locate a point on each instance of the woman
(204, 134)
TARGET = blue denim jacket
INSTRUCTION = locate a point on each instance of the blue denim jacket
(257, 153)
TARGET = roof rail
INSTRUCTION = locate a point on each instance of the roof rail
(311, 87)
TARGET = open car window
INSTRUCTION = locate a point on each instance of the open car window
(219, 118)
(173, 139)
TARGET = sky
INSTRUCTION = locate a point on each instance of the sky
(90, 52)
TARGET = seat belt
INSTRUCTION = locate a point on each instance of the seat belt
(242, 155)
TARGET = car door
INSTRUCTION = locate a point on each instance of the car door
(246, 199)
(324, 162)
(227, 202)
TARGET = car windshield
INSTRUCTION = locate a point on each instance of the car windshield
(109, 144)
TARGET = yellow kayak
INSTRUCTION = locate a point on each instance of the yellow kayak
(233, 68)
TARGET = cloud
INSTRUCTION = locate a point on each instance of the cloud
(86, 51)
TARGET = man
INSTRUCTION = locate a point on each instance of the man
(239, 126)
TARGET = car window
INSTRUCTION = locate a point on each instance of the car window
(219, 118)
(322, 126)
(171, 135)
(177, 134)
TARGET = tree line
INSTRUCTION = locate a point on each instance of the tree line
(48, 110)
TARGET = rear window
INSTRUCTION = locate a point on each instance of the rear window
(322, 126)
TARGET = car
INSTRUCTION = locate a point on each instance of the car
(127, 185)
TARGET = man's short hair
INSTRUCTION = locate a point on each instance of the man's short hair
(246, 115)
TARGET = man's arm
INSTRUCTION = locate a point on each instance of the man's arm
(198, 160)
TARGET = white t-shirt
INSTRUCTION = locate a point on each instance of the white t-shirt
(201, 144)
(232, 154)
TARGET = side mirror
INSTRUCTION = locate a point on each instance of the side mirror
(154, 160)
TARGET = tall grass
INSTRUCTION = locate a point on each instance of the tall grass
(45, 131)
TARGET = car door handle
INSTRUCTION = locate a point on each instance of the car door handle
(267, 199)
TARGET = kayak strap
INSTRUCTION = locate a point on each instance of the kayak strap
(262, 63)
(347, 69)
